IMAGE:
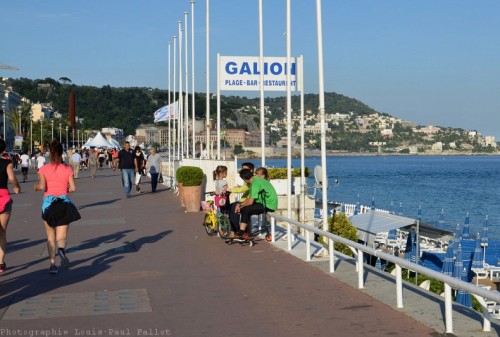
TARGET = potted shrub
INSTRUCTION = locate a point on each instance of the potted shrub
(180, 175)
(192, 179)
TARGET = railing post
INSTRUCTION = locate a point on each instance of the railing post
(399, 286)
(331, 252)
(360, 269)
(308, 245)
(289, 235)
(448, 308)
(273, 229)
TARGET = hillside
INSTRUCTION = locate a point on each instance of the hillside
(126, 108)
(359, 129)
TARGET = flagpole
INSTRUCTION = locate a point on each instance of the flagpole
(261, 86)
(186, 105)
(174, 134)
(192, 78)
(169, 120)
(207, 13)
(289, 109)
(218, 108)
(321, 108)
(181, 97)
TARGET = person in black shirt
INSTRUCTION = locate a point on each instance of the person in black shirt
(125, 162)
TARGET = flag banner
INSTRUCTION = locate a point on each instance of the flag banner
(165, 112)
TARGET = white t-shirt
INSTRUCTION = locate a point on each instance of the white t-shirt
(25, 160)
(40, 161)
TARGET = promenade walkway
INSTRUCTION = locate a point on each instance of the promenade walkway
(142, 266)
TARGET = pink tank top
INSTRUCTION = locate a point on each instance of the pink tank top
(56, 179)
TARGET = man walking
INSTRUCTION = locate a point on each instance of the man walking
(75, 160)
(125, 162)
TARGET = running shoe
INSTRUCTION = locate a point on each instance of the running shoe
(3, 266)
(246, 237)
(53, 269)
(64, 259)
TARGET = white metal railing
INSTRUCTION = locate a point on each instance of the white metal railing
(449, 282)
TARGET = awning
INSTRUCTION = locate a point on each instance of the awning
(371, 223)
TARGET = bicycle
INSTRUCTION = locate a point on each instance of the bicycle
(216, 221)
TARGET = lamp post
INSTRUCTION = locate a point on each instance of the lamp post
(19, 110)
(31, 131)
(60, 136)
(78, 137)
(66, 138)
(41, 132)
(52, 123)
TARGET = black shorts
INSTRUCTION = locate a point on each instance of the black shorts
(24, 170)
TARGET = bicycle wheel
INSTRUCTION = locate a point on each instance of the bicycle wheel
(224, 226)
(207, 223)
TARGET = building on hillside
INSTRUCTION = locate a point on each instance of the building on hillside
(437, 147)
(428, 130)
(43, 109)
(490, 141)
(9, 100)
(253, 138)
(231, 136)
(386, 133)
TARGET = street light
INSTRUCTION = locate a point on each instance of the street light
(52, 122)
(60, 136)
(20, 111)
(31, 131)
(41, 132)
(66, 138)
(78, 138)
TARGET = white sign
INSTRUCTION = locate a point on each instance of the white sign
(243, 73)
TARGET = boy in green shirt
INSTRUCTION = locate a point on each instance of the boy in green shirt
(262, 198)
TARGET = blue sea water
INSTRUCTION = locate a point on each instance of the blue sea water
(455, 184)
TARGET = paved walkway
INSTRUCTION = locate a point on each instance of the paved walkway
(142, 266)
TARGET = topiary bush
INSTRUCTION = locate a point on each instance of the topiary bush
(190, 176)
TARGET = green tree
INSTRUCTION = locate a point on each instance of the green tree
(340, 225)
(238, 149)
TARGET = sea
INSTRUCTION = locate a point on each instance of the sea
(447, 189)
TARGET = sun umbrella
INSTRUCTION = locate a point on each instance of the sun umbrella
(447, 268)
(484, 238)
(456, 238)
(477, 259)
(459, 263)
(442, 224)
(463, 297)
(465, 233)
(411, 248)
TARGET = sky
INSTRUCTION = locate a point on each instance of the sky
(427, 61)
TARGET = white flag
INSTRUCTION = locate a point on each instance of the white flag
(166, 112)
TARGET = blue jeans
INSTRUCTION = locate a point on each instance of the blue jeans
(127, 180)
(154, 181)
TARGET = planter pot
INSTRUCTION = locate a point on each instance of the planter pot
(192, 198)
(181, 194)
(280, 185)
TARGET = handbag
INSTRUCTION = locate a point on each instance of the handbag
(160, 178)
(220, 200)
